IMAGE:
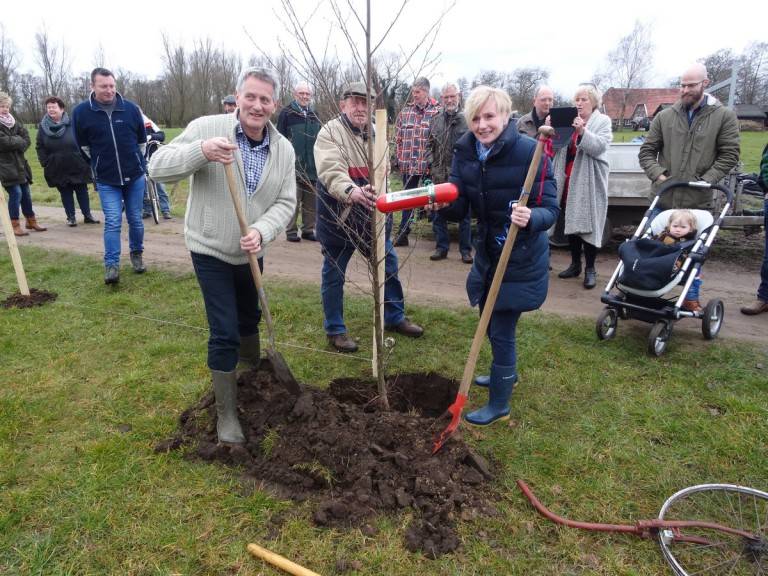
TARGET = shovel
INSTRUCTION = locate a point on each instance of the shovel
(455, 409)
(282, 372)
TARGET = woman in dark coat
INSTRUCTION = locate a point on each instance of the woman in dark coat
(490, 163)
(63, 166)
(15, 173)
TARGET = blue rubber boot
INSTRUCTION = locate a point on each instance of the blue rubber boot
(503, 379)
(482, 380)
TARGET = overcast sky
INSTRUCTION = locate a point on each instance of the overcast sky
(570, 39)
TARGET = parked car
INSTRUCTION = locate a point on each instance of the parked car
(641, 124)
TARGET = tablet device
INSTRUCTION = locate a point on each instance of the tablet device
(562, 117)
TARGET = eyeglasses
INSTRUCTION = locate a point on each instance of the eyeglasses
(690, 84)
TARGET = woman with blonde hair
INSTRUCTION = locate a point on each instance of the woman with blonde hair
(15, 173)
(581, 169)
(490, 163)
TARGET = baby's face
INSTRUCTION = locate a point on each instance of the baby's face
(679, 228)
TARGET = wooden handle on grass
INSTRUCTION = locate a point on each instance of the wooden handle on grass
(279, 561)
(545, 132)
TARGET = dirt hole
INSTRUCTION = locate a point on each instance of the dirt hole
(350, 459)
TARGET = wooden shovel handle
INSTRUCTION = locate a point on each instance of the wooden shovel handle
(280, 561)
(13, 247)
(252, 260)
(545, 132)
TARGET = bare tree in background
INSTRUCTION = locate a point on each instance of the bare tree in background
(521, 86)
(8, 62)
(753, 74)
(99, 57)
(176, 76)
(629, 64)
(491, 78)
(719, 65)
(54, 62)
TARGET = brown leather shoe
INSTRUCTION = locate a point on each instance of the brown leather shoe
(32, 224)
(406, 328)
(756, 307)
(692, 306)
(342, 342)
(17, 230)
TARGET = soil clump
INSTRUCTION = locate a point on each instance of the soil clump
(36, 298)
(353, 461)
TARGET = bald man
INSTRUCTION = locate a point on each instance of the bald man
(543, 99)
(697, 138)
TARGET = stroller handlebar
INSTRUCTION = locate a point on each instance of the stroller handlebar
(670, 184)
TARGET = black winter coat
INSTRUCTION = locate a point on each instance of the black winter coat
(490, 188)
(14, 168)
(62, 163)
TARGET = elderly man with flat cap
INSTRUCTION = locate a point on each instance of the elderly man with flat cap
(345, 201)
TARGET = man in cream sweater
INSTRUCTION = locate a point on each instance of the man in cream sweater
(264, 164)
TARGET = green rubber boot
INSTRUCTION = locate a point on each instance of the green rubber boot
(225, 390)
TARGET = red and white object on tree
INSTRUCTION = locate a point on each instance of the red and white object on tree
(417, 197)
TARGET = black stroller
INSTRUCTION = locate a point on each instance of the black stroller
(649, 273)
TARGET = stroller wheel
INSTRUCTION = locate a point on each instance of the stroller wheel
(712, 318)
(606, 324)
(658, 338)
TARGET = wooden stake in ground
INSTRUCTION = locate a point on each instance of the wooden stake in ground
(280, 561)
(13, 248)
(380, 185)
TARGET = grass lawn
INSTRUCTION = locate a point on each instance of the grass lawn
(91, 382)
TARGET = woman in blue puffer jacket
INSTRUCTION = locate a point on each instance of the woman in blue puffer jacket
(490, 163)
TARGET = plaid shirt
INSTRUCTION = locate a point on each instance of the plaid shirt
(254, 158)
(412, 137)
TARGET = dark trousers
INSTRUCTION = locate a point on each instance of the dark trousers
(762, 290)
(305, 206)
(576, 243)
(409, 181)
(502, 331)
(68, 194)
(19, 195)
(231, 306)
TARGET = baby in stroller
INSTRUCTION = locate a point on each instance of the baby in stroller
(681, 227)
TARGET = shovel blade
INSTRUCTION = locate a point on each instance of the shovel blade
(455, 411)
(283, 373)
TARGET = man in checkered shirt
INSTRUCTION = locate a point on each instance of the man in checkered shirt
(412, 145)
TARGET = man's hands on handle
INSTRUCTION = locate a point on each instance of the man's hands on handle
(251, 242)
(364, 196)
(219, 149)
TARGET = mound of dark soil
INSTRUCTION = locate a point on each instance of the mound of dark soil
(353, 460)
(36, 298)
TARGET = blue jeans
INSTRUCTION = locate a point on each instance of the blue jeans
(442, 238)
(19, 194)
(112, 200)
(693, 291)
(68, 199)
(335, 261)
(501, 333)
(162, 199)
(231, 306)
(762, 290)
(409, 181)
